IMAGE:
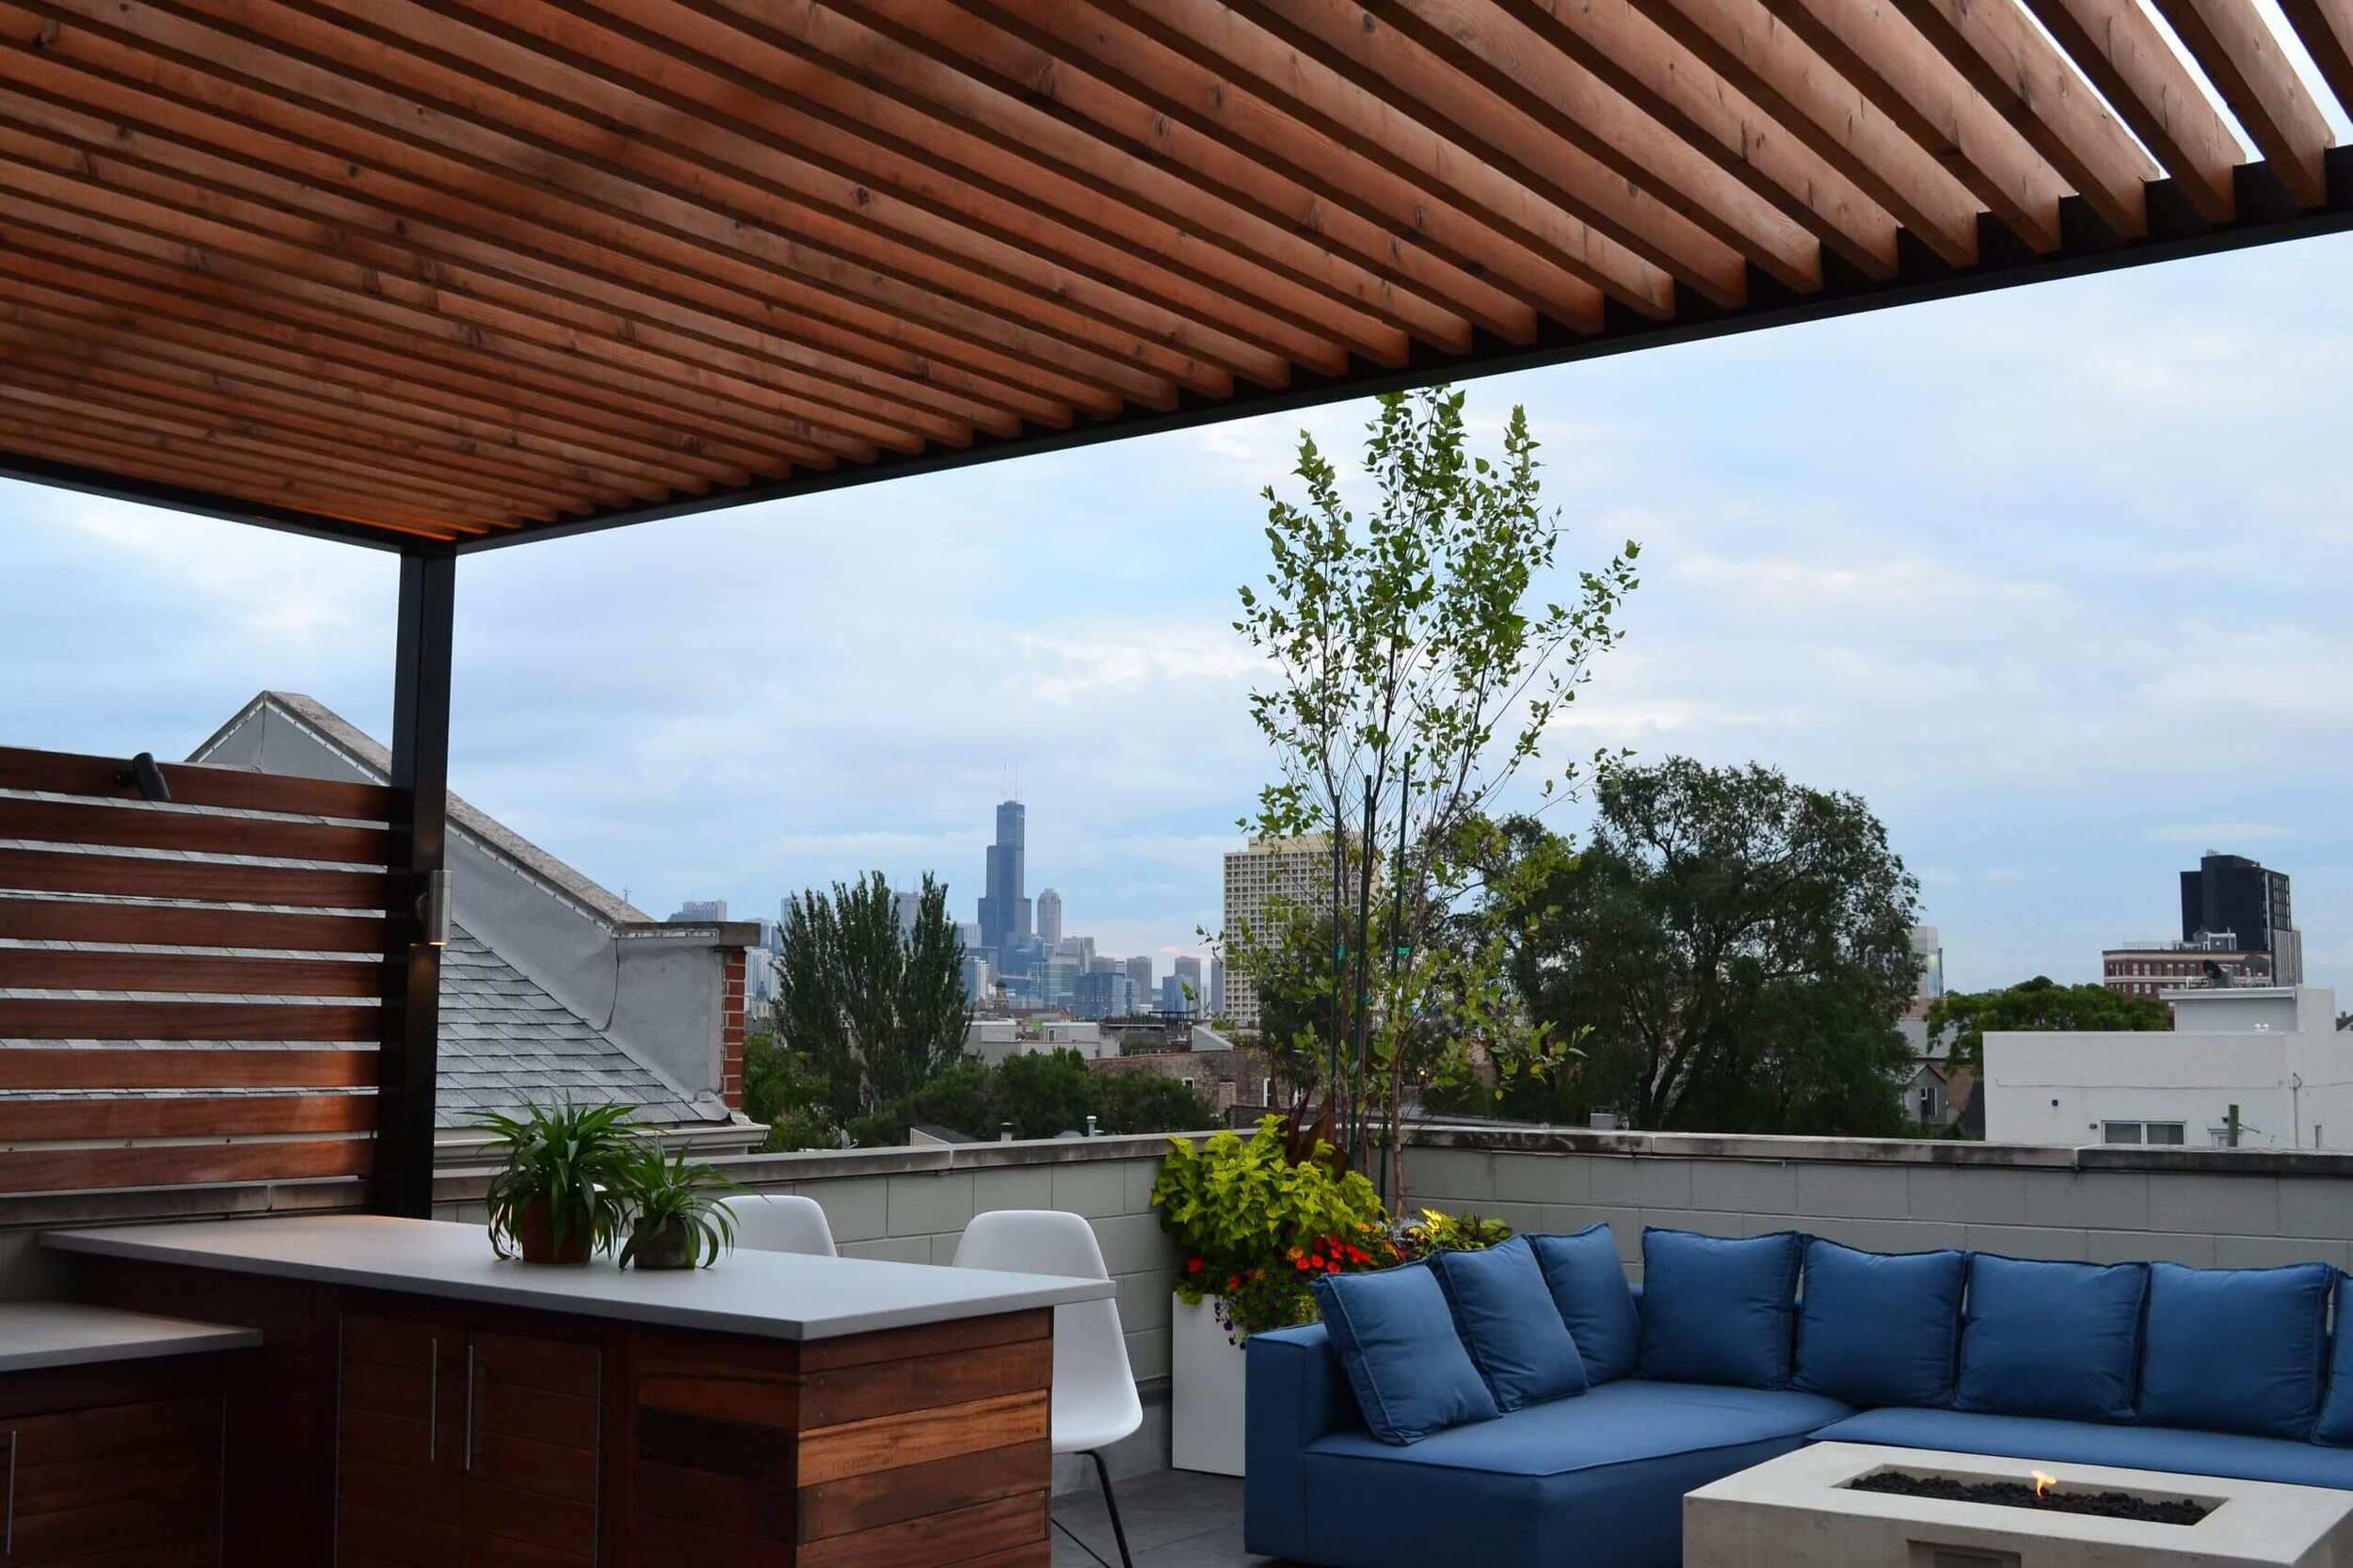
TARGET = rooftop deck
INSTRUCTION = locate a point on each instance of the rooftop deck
(1175, 1519)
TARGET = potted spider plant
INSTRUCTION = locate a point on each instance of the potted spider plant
(558, 1195)
(675, 1220)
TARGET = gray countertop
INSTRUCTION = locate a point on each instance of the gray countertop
(774, 1295)
(68, 1334)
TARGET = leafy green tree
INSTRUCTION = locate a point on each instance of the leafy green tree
(1417, 666)
(1732, 949)
(1959, 1019)
(1042, 1094)
(877, 1014)
(781, 1091)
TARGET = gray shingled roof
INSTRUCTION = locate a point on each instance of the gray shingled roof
(506, 1044)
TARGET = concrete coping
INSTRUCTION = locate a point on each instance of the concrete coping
(1879, 1151)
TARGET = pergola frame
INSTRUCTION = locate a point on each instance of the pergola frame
(441, 278)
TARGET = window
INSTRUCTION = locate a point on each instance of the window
(2168, 1133)
(2163, 1134)
(2121, 1132)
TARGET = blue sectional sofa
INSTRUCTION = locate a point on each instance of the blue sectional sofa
(1724, 1360)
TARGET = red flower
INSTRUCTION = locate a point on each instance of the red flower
(1299, 1263)
(1193, 1267)
(1318, 1260)
(1335, 1266)
(1234, 1284)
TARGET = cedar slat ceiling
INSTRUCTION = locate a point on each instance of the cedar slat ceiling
(455, 274)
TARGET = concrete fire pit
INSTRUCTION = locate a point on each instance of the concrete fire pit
(1800, 1509)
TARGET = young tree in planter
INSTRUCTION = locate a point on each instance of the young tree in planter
(878, 1013)
(1416, 670)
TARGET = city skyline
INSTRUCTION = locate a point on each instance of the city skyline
(2026, 617)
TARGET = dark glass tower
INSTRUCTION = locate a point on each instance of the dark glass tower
(2230, 892)
(1004, 906)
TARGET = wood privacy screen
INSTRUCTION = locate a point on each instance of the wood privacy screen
(190, 993)
(447, 274)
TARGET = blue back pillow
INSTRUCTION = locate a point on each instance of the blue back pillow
(2236, 1350)
(1395, 1339)
(1880, 1329)
(2336, 1406)
(2061, 1340)
(1716, 1310)
(1587, 1283)
(1504, 1315)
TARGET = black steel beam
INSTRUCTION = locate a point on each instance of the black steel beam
(179, 498)
(412, 968)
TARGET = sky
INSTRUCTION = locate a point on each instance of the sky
(2053, 577)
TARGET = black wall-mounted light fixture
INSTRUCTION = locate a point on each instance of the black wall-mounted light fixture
(433, 910)
(145, 777)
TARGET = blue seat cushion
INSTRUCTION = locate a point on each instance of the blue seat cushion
(1879, 1328)
(1717, 1310)
(2336, 1407)
(2235, 1350)
(1594, 1481)
(2193, 1453)
(1504, 1316)
(2057, 1340)
(1395, 1336)
(1589, 1286)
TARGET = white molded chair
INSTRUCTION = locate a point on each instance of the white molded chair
(1095, 1401)
(778, 1221)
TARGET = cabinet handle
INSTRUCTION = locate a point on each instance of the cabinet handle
(468, 1450)
(432, 1395)
(7, 1544)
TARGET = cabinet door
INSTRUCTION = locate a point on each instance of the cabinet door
(531, 1473)
(115, 1483)
(400, 1444)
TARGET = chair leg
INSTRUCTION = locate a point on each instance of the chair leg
(1111, 1506)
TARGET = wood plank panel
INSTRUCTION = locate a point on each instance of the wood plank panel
(36, 870)
(165, 1068)
(2248, 65)
(41, 1020)
(156, 827)
(63, 969)
(223, 1116)
(167, 925)
(888, 1387)
(856, 1503)
(2117, 44)
(898, 1344)
(180, 1165)
(891, 1442)
(195, 784)
(936, 1539)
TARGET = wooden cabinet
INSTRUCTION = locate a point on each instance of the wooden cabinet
(112, 1465)
(459, 1445)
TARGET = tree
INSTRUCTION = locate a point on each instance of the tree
(1042, 1094)
(1734, 951)
(2040, 1003)
(876, 1013)
(1416, 670)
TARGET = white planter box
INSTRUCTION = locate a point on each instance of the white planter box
(1205, 1392)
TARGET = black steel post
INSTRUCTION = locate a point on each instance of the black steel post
(412, 968)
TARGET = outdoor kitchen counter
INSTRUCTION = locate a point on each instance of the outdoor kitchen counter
(420, 1403)
(769, 1295)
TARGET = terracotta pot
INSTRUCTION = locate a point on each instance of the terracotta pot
(666, 1245)
(532, 1237)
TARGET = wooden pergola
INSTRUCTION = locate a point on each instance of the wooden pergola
(441, 278)
(456, 275)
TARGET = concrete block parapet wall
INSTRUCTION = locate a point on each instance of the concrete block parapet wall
(911, 1206)
(2205, 1207)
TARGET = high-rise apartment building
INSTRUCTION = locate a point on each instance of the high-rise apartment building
(1050, 917)
(1140, 971)
(1271, 870)
(1004, 903)
(1216, 986)
(700, 911)
(2230, 894)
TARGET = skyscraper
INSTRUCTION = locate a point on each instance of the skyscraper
(1270, 872)
(2230, 892)
(1188, 972)
(1050, 917)
(1216, 986)
(1004, 904)
(1139, 971)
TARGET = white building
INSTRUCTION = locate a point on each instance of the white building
(1269, 870)
(2273, 1051)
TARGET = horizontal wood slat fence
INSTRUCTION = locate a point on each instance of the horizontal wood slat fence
(127, 1061)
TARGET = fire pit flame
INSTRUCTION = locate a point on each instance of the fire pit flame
(2042, 1482)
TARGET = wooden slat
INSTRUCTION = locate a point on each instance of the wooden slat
(888, 1496)
(55, 1068)
(965, 1334)
(891, 1442)
(36, 870)
(23, 1018)
(891, 1388)
(169, 925)
(98, 1170)
(935, 1539)
(2326, 29)
(192, 1116)
(2018, 70)
(58, 821)
(2248, 66)
(197, 973)
(195, 784)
